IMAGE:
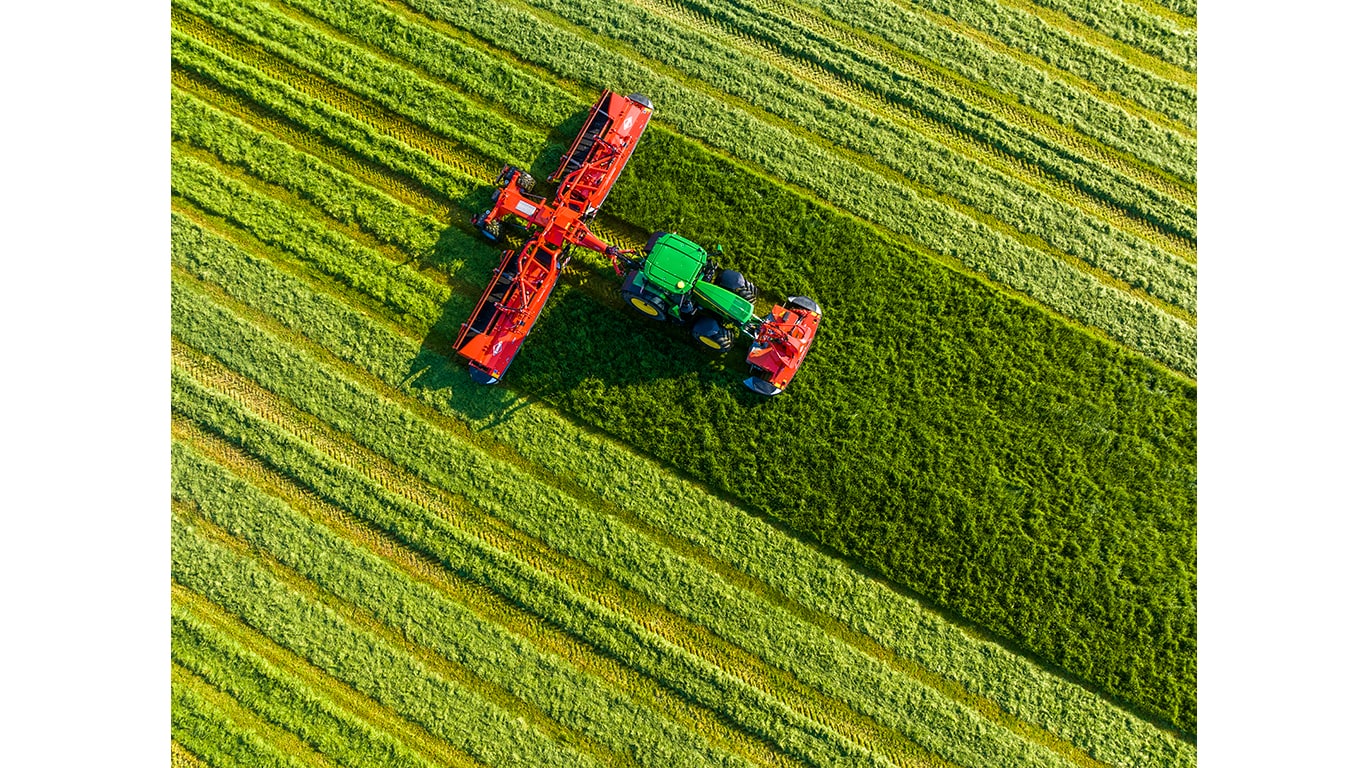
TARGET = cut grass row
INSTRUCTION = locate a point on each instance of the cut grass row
(383, 481)
(319, 635)
(217, 731)
(1174, 40)
(1137, 84)
(628, 732)
(273, 695)
(1001, 85)
(590, 341)
(887, 701)
(1053, 282)
(395, 366)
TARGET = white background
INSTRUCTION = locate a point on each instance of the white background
(86, 325)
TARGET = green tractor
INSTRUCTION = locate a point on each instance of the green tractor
(679, 281)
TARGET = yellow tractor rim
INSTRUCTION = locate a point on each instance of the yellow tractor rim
(710, 342)
(645, 306)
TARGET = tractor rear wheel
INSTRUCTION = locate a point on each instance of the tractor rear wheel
(712, 335)
(736, 283)
(651, 241)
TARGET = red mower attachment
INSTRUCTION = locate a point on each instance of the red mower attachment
(513, 301)
(781, 344)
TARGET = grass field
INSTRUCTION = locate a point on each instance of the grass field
(967, 534)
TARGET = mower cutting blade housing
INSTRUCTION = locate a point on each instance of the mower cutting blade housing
(781, 344)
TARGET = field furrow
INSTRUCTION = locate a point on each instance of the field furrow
(278, 293)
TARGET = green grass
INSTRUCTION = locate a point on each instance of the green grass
(965, 536)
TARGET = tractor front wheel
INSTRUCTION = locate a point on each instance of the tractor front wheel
(645, 303)
(712, 335)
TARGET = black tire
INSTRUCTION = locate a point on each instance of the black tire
(644, 303)
(493, 228)
(736, 283)
(641, 99)
(651, 241)
(802, 302)
(526, 182)
(712, 335)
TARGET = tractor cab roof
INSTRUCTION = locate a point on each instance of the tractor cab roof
(674, 264)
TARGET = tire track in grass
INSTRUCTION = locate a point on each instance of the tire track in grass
(1098, 90)
(347, 698)
(259, 323)
(438, 147)
(182, 758)
(612, 596)
(486, 603)
(362, 621)
(983, 98)
(952, 138)
(1142, 59)
(276, 737)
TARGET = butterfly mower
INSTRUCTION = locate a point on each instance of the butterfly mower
(674, 280)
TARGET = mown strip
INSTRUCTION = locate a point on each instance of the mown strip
(318, 634)
(720, 382)
(340, 696)
(368, 347)
(200, 724)
(1008, 206)
(635, 735)
(256, 685)
(1165, 93)
(1001, 84)
(1149, 29)
(1054, 274)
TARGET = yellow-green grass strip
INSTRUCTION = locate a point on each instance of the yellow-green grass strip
(339, 695)
(240, 584)
(221, 732)
(428, 568)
